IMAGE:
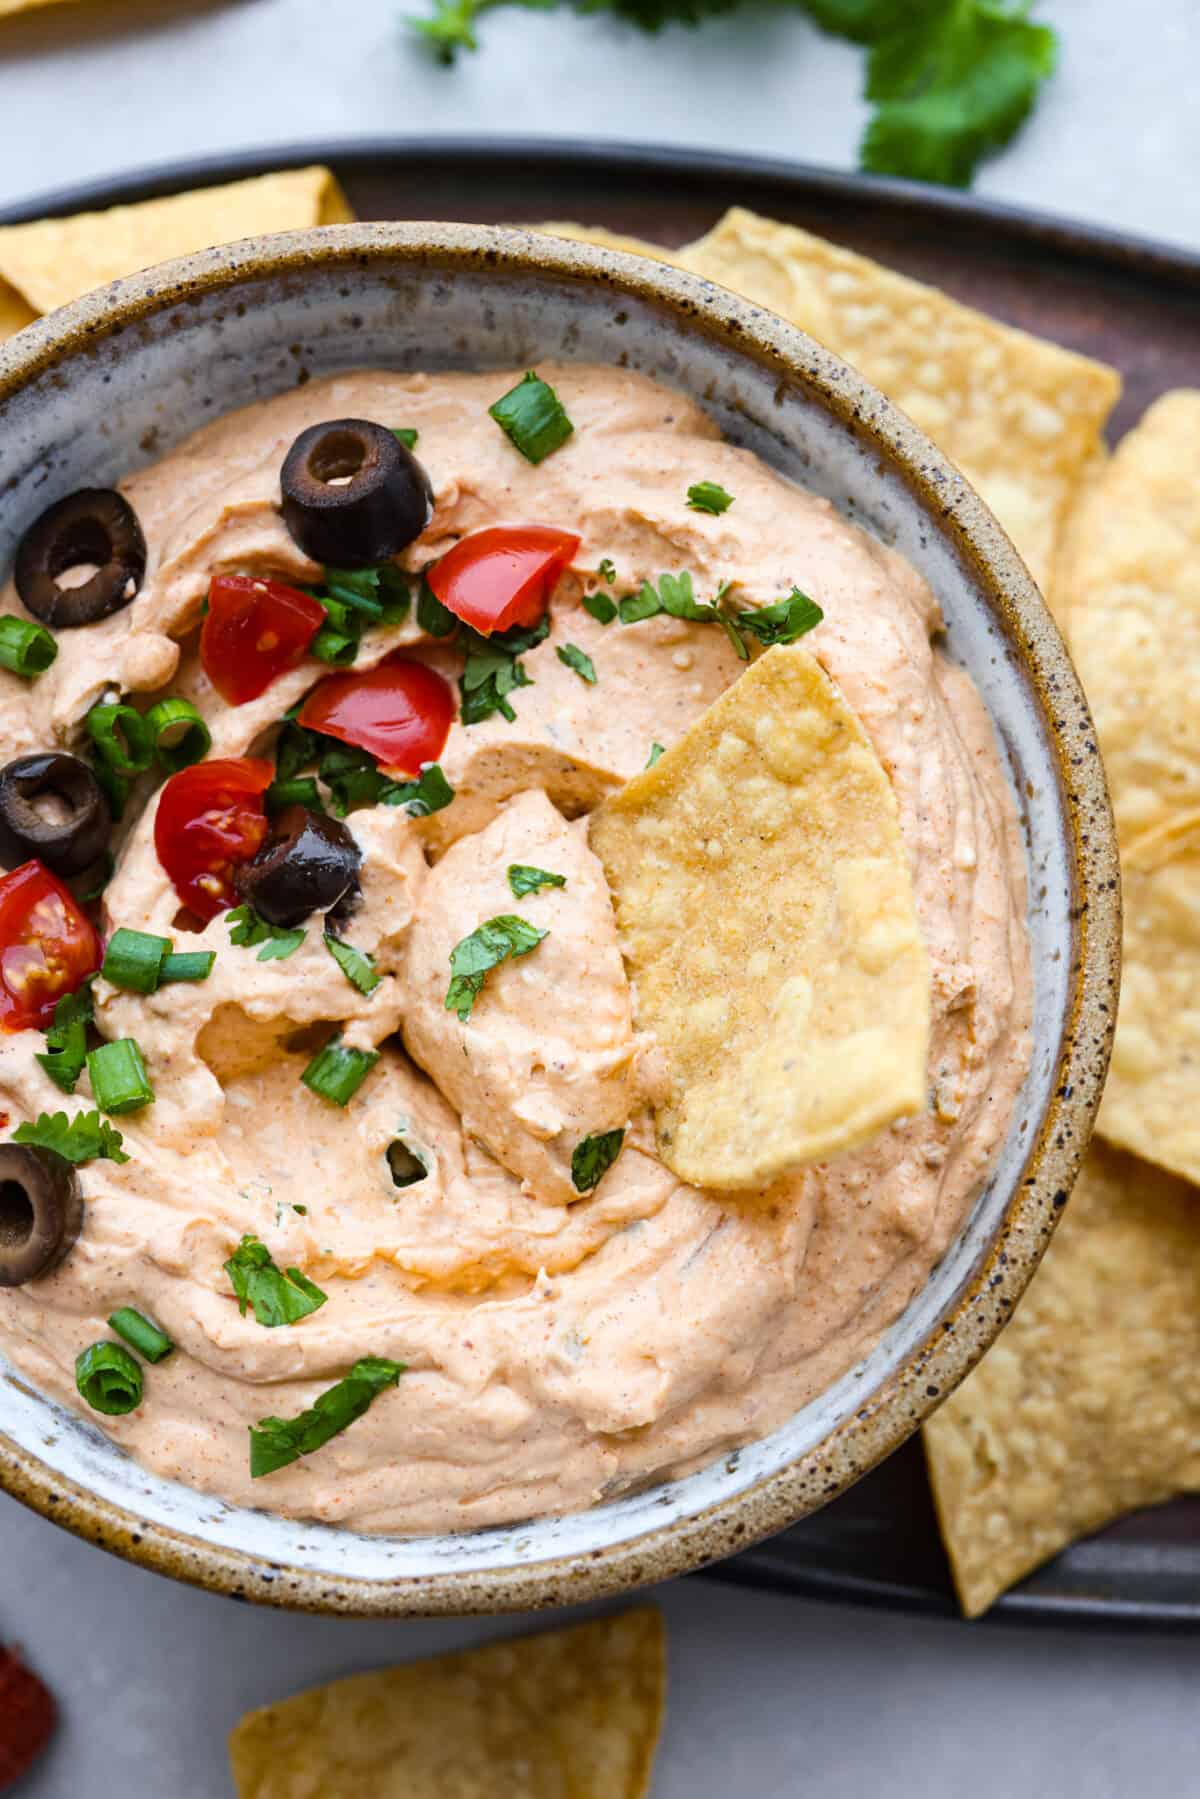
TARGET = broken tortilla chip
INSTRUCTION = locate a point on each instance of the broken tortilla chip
(572, 1714)
(608, 240)
(1088, 1405)
(1133, 596)
(767, 918)
(49, 261)
(1021, 417)
(1152, 1098)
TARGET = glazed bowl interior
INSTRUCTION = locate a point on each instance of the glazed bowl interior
(114, 381)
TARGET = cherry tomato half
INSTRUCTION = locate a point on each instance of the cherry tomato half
(47, 947)
(502, 576)
(400, 711)
(210, 819)
(253, 632)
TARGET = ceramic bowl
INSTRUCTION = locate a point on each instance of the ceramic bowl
(114, 380)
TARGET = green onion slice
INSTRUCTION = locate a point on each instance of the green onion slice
(337, 1072)
(25, 648)
(141, 1334)
(134, 960)
(533, 418)
(338, 648)
(122, 739)
(178, 733)
(299, 790)
(188, 965)
(118, 1075)
(109, 1379)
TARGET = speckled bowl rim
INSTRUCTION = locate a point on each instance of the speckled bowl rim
(1043, 1183)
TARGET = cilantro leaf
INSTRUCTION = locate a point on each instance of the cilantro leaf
(85, 1138)
(430, 793)
(600, 607)
(708, 496)
(607, 570)
(66, 1039)
(276, 1297)
(434, 619)
(246, 928)
(572, 656)
(783, 622)
(406, 435)
(676, 595)
(525, 879)
(274, 1442)
(473, 957)
(493, 670)
(634, 607)
(656, 750)
(357, 966)
(592, 1159)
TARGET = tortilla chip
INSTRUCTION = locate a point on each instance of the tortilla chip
(1070, 538)
(608, 240)
(767, 918)
(1152, 1099)
(50, 261)
(1021, 417)
(573, 1714)
(1133, 592)
(1088, 1406)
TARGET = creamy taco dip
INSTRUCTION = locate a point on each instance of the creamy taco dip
(356, 762)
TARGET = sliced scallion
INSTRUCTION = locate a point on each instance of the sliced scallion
(151, 1343)
(25, 648)
(335, 647)
(337, 1072)
(109, 1379)
(300, 790)
(118, 1075)
(134, 960)
(121, 737)
(187, 965)
(178, 733)
(533, 418)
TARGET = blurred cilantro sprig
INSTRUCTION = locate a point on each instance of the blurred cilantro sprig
(949, 81)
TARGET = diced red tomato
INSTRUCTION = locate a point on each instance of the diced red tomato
(400, 711)
(28, 1715)
(502, 576)
(47, 947)
(211, 819)
(255, 631)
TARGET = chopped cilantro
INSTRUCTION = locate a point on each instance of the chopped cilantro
(601, 608)
(247, 928)
(592, 1159)
(473, 958)
(493, 670)
(676, 596)
(607, 570)
(434, 619)
(406, 435)
(274, 1442)
(656, 750)
(532, 417)
(84, 1138)
(783, 622)
(634, 607)
(66, 1039)
(276, 1298)
(573, 657)
(419, 798)
(707, 496)
(524, 879)
(357, 966)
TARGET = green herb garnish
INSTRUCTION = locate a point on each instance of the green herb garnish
(118, 1075)
(109, 1379)
(473, 958)
(607, 570)
(783, 622)
(355, 964)
(573, 657)
(406, 435)
(66, 1039)
(141, 1334)
(84, 1138)
(275, 1296)
(122, 738)
(494, 669)
(707, 496)
(134, 960)
(676, 596)
(431, 793)
(274, 1442)
(25, 648)
(601, 608)
(246, 928)
(187, 965)
(532, 417)
(434, 618)
(592, 1159)
(656, 750)
(178, 733)
(337, 1072)
(524, 879)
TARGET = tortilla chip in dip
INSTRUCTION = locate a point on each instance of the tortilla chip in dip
(573, 1714)
(1133, 595)
(49, 261)
(767, 917)
(1088, 1406)
(1152, 1098)
(1020, 416)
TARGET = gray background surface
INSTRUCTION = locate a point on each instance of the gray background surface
(768, 1696)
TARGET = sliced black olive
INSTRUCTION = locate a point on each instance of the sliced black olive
(308, 863)
(41, 1212)
(52, 807)
(352, 494)
(97, 525)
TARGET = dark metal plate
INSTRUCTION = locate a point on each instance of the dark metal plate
(1131, 303)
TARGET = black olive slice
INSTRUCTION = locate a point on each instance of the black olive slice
(308, 863)
(68, 830)
(96, 526)
(352, 494)
(41, 1211)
